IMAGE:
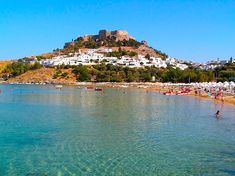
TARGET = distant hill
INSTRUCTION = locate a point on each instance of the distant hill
(108, 39)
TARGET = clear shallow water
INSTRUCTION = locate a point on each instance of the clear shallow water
(44, 131)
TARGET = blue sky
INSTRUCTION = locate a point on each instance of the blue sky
(197, 30)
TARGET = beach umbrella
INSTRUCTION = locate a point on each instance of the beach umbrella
(232, 83)
(226, 83)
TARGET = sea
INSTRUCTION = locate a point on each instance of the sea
(117, 131)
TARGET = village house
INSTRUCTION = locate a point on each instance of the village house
(96, 56)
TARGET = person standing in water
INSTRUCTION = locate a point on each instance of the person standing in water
(217, 114)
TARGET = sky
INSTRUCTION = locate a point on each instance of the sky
(197, 30)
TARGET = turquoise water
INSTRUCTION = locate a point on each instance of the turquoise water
(45, 131)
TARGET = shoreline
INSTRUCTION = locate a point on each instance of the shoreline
(159, 87)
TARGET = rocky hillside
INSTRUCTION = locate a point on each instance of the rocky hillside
(45, 75)
(108, 39)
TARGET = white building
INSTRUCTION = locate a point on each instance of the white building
(96, 56)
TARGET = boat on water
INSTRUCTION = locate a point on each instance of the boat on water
(58, 86)
(182, 93)
(169, 93)
(4, 83)
(98, 89)
(89, 87)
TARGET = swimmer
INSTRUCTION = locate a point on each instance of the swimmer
(217, 114)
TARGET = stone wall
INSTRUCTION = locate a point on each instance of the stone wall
(119, 35)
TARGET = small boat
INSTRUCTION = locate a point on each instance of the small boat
(4, 83)
(89, 87)
(182, 93)
(169, 93)
(58, 86)
(98, 89)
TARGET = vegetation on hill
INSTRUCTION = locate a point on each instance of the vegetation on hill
(79, 43)
(40, 57)
(120, 53)
(164, 55)
(60, 74)
(75, 45)
(17, 68)
(112, 73)
(226, 72)
(108, 42)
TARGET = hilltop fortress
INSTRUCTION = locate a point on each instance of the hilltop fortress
(118, 35)
(115, 40)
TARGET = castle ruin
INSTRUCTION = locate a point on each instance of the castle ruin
(118, 35)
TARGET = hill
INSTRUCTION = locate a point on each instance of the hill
(108, 39)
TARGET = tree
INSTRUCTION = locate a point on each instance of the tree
(40, 58)
(147, 56)
(36, 66)
(82, 73)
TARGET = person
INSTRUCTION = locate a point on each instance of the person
(217, 114)
(222, 99)
(209, 94)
